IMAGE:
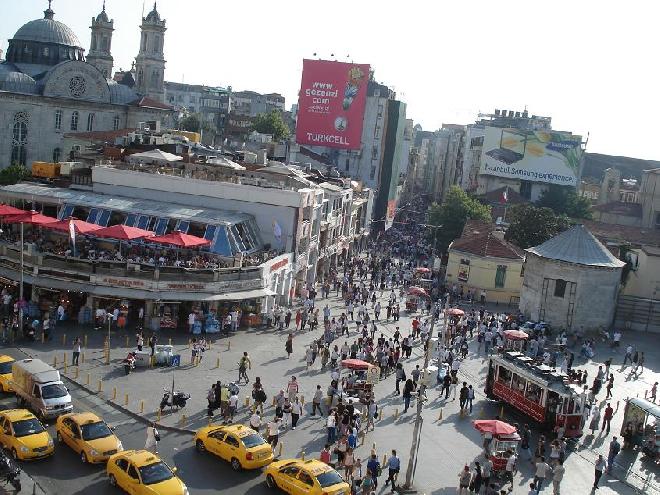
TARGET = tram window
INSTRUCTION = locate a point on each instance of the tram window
(534, 392)
(518, 383)
(504, 376)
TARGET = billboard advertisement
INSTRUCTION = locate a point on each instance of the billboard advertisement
(537, 156)
(331, 104)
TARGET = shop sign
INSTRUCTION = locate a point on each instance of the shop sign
(186, 286)
(122, 282)
(279, 264)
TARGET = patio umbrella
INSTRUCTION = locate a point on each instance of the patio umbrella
(417, 291)
(493, 426)
(81, 226)
(354, 364)
(122, 232)
(10, 210)
(454, 312)
(423, 269)
(515, 335)
(31, 217)
(180, 239)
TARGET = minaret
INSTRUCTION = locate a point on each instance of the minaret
(150, 62)
(100, 55)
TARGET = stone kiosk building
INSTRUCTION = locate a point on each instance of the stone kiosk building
(571, 281)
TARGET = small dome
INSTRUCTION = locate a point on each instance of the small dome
(102, 17)
(153, 16)
(48, 30)
(14, 81)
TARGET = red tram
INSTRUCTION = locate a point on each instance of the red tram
(536, 390)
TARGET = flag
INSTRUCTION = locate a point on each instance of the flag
(277, 231)
(505, 195)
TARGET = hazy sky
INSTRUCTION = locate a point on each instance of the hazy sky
(590, 65)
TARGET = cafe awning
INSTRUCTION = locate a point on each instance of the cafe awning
(241, 295)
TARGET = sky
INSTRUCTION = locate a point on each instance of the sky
(591, 65)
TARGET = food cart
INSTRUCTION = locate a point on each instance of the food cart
(514, 340)
(415, 297)
(359, 379)
(500, 440)
(644, 416)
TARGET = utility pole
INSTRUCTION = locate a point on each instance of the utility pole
(421, 398)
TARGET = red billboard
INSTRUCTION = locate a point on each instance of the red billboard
(331, 104)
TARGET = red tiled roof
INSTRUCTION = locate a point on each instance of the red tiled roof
(607, 232)
(621, 208)
(476, 227)
(487, 245)
(146, 102)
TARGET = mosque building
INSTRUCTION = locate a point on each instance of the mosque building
(49, 88)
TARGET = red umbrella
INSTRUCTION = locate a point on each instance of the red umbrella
(454, 312)
(515, 335)
(10, 210)
(418, 291)
(81, 226)
(122, 232)
(493, 426)
(423, 269)
(355, 364)
(31, 217)
(180, 239)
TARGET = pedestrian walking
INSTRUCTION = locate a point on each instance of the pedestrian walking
(273, 429)
(610, 384)
(525, 438)
(510, 467)
(607, 418)
(331, 427)
(464, 478)
(316, 401)
(153, 437)
(542, 470)
(393, 466)
(407, 394)
(627, 357)
(463, 396)
(595, 419)
(289, 346)
(470, 397)
(255, 421)
(287, 408)
(598, 471)
(557, 476)
(615, 448)
(654, 391)
(76, 350)
(243, 365)
(486, 472)
(477, 479)
(296, 412)
(292, 388)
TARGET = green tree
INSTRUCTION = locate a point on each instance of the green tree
(271, 123)
(531, 225)
(565, 201)
(194, 122)
(452, 214)
(13, 174)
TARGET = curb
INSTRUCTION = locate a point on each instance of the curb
(118, 407)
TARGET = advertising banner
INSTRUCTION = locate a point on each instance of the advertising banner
(331, 104)
(537, 156)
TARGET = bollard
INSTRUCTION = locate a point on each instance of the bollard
(114, 393)
(384, 460)
(126, 399)
(169, 341)
(85, 341)
(302, 400)
(83, 357)
(75, 375)
(183, 420)
(302, 455)
(141, 407)
(126, 341)
(158, 414)
(65, 368)
(100, 389)
(247, 402)
(89, 377)
(64, 358)
(43, 338)
(217, 362)
(210, 344)
(380, 414)
(373, 446)
(54, 361)
(396, 413)
(229, 345)
(279, 452)
(63, 339)
(274, 401)
(502, 413)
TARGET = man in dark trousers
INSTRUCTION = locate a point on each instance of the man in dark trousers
(607, 418)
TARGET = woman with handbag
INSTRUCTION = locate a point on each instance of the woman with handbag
(153, 437)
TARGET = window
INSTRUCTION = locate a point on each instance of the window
(377, 132)
(46, 51)
(90, 122)
(306, 478)
(230, 440)
(132, 472)
(500, 276)
(374, 153)
(58, 120)
(115, 123)
(122, 464)
(74, 121)
(657, 220)
(372, 174)
(57, 155)
(348, 164)
(19, 138)
(560, 288)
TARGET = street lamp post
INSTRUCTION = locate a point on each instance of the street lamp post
(20, 287)
(107, 356)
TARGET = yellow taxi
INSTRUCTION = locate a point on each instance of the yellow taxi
(237, 444)
(139, 472)
(23, 435)
(5, 373)
(311, 477)
(88, 436)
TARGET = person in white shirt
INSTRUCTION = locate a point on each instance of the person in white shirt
(60, 313)
(255, 421)
(273, 432)
(191, 321)
(542, 471)
(233, 405)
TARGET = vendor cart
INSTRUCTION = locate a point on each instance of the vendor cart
(500, 441)
(644, 418)
(359, 378)
(415, 297)
(514, 340)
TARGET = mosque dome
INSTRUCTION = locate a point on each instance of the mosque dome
(48, 30)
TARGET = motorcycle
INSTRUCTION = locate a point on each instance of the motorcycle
(178, 400)
(10, 473)
(129, 363)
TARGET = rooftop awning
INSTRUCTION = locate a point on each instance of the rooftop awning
(241, 295)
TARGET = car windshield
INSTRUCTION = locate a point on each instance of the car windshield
(5, 367)
(27, 427)
(252, 440)
(54, 391)
(92, 431)
(329, 478)
(155, 473)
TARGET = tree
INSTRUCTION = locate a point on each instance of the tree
(452, 214)
(565, 201)
(531, 226)
(271, 123)
(13, 174)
